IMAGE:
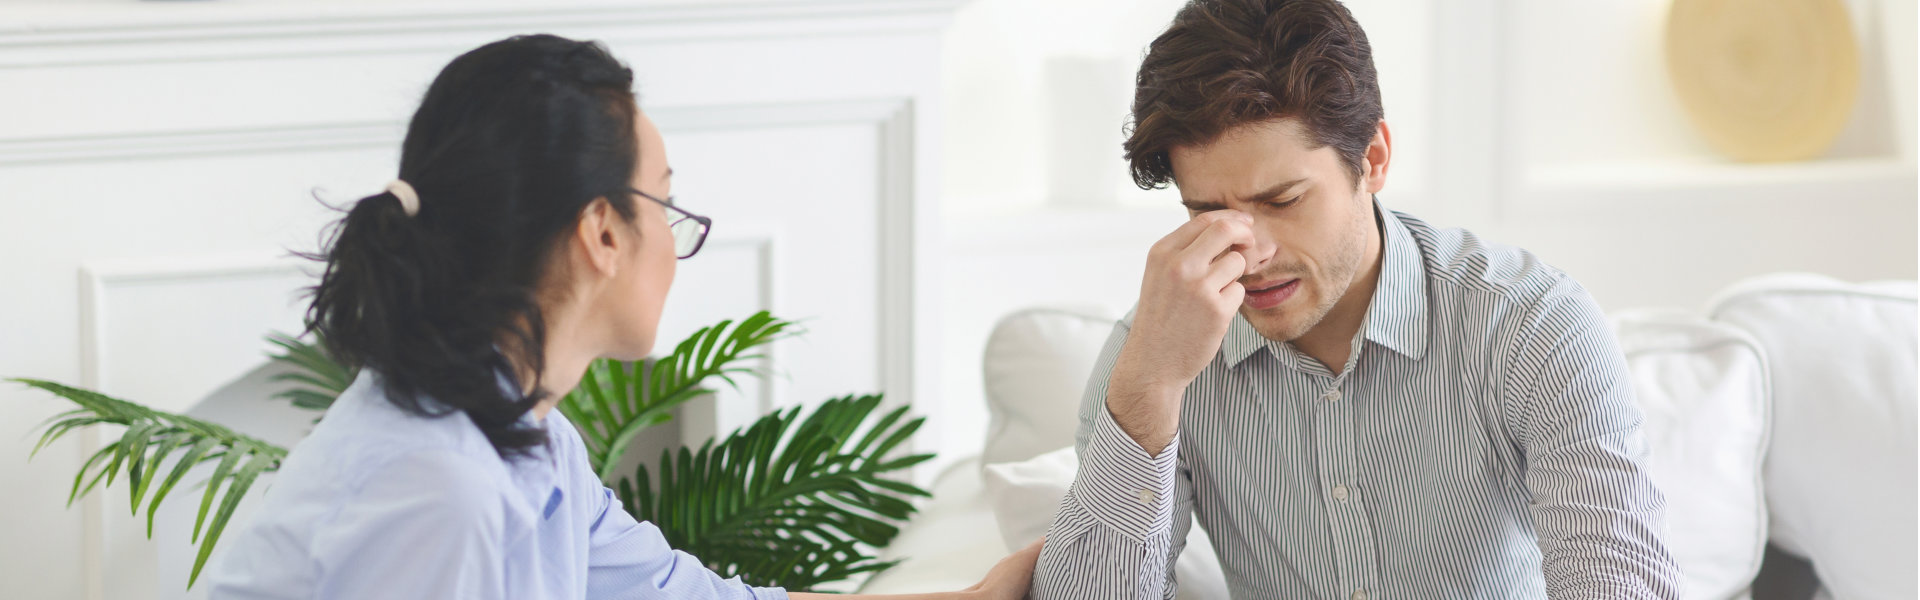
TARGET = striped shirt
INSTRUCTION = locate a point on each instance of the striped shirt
(1482, 442)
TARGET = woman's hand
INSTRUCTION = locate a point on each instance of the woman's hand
(1010, 578)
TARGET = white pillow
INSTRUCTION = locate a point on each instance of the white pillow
(1703, 389)
(1840, 476)
(945, 547)
(1036, 366)
(1025, 496)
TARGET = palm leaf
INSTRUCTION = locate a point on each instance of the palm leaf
(616, 400)
(150, 438)
(785, 502)
(315, 377)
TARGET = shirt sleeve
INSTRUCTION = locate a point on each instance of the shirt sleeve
(1114, 534)
(1598, 516)
(628, 558)
(449, 511)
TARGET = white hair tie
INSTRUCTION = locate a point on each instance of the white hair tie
(409, 199)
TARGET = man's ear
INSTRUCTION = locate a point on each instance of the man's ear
(596, 238)
(1379, 153)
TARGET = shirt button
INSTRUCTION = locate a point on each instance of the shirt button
(1360, 594)
(1340, 493)
(1146, 496)
(1332, 396)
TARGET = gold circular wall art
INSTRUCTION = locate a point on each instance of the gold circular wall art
(1764, 80)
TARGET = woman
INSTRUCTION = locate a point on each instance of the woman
(531, 232)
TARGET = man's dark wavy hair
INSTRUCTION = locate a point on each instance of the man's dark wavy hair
(1226, 63)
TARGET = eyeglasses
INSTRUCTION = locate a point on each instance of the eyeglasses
(689, 230)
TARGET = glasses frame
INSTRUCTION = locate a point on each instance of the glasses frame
(706, 224)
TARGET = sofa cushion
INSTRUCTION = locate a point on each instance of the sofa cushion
(1026, 495)
(1700, 384)
(1036, 366)
(1703, 389)
(948, 545)
(1840, 474)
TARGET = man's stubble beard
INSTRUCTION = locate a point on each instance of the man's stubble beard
(1345, 265)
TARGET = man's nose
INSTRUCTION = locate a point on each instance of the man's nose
(1261, 253)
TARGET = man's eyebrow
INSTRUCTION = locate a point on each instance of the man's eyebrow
(1270, 193)
(669, 174)
(1201, 206)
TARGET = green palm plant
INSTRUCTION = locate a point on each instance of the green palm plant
(150, 438)
(805, 512)
(314, 378)
(799, 500)
(616, 400)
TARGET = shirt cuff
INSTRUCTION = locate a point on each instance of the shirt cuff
(1120, 484)
(768, 593)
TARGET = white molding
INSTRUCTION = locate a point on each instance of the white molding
(96, 279)
(898, 251)
(93, 35)
(314, 137)
(895, 124)
(1599, 188)
(707, 117)
(199, 143)
(892, 118)
(766, 242)
(52, 44)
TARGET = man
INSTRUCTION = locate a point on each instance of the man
(1353, 403)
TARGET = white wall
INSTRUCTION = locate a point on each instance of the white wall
(161, 157)
(1546, 124)
(1002, 145)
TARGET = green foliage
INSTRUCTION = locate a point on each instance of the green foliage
(314, 379)
(616, 400)
(783, 502)
(151, 437)
(786, 510)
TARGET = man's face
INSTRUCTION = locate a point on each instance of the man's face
(1313, 223)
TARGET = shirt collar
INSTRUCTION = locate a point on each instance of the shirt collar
(1397, 315)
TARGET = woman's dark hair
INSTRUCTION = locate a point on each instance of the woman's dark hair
(1225, 63)
(512, 141)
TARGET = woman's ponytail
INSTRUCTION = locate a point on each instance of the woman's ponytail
(386, 300)
(434, 283)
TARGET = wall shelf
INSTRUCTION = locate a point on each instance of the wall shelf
(1707, 174)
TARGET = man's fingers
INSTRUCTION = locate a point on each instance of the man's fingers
(1229, 268)
(1217, 239)
(1184, 235)
(1234, 294)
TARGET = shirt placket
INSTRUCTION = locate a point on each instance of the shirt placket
(1355, 558)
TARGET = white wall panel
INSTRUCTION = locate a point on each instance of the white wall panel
(159, 138)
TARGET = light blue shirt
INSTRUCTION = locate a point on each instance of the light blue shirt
(378, 503)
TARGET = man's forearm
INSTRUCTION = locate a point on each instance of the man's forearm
(1112, 536)
(1147, 411)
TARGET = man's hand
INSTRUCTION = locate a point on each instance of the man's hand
(1188, 298)
(1010, 578)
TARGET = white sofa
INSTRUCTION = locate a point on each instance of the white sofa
(1784, 413)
